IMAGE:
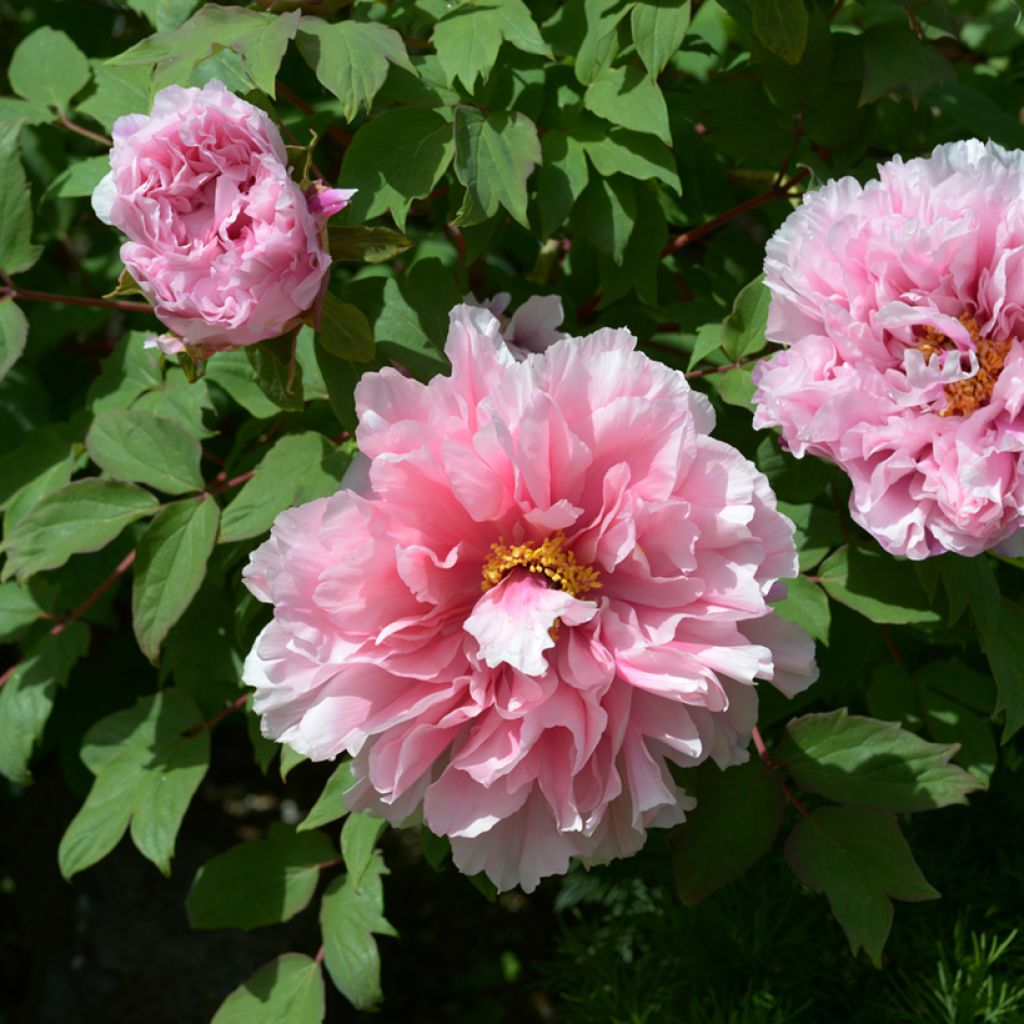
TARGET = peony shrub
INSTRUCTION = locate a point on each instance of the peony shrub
(336, 601)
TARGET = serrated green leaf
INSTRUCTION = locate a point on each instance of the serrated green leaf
(298, 468)
(118, 91)
(805, 604)
(164, 15)
(142, 448)
(148, 761)
(13, 335)
(606, 214)
(395, 158)
(17, 252)
(18, 609)
(494, 156)
(288, 990)
(23, 112)
(1005, 653)
(170, 566)
(330, 804)
(83, 516)
(79, 179)
(351, 58)
(858, 858)
(350, 243)
(349, 918)
(877, 586)
(852, 759)
(27, 697)
(258, 883)
(359, 837)
(738, 815)
(948, 721)
(47, 67)
(658, 28)
(629, 98)
(344, 330)
(743, 329)
(235, 374)
(259, 39)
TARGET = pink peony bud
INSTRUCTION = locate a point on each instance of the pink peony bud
(222, 241)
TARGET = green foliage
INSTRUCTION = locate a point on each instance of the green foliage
(288, 990)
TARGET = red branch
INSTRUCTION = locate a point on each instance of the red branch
(762, 752)
(103, 140)
(237, 703)
(13, 292)
(694, 374)
(780, 190)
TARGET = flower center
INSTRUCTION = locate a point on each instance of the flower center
(964, 396)
(547, 558)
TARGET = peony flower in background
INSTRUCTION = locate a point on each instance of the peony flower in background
(222, 241)
(546, 585)
(902, 306)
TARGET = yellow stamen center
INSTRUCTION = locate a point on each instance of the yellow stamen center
(964, 396)
(548, 558)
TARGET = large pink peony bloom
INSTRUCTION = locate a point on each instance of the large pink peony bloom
(223, 242)
(902, 302)
(550, 585)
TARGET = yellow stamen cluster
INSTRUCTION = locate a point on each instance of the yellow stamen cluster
(548, 558)
(964, 396)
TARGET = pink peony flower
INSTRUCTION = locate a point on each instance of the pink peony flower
(901, 303)
(549, 587)
(223, 242)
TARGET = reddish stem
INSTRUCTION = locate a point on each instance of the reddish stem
(77, 300)
(103, 140)
(694, 374)
(319, 955)
(762, 752)
(236, 481)
(303, 107)
(780, 190)
(220, 716)
(836, 8)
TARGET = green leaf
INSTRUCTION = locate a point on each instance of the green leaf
(298, 468)
(277, 373)
(743, 329)
(330, 804)
(119, 91)
(606, 214)
(259, 39)
(27, 697)
(494, 156)
(563, 175)
(18, 609)
(128, 372)
(858, 858)
(708, 340)
(467, 39)
(738, 815)
(290, 759)
(351, 58)
(852, 759)
(356, 244)
(971, 583)
(359, 837)
(600, 42)
(344, 330)
(349, 918)
(658, 28)
(13, 335)
(781, 26)
(79, 179)
(627, 97)
(17, 252)
(1005, 653)
(48, 68)
(235, 374)
(164, 15)
(414, 318)
(736, 387)
(23, 112)
(895, 60)
(288, 990)
(948, 721)
(83, 516)
(148, 761)
(876, 585)
(395, 158)
(142, 448)
(170, 567)
(805, 604)
(632, 153)
(258, 883)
